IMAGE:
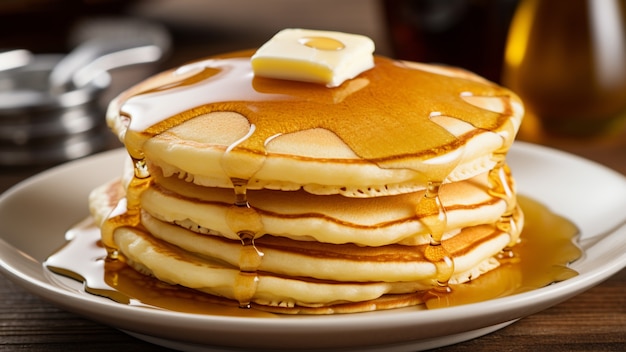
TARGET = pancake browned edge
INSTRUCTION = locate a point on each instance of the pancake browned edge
(299, 198)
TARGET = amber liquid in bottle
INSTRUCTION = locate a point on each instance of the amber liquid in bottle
(567, 61)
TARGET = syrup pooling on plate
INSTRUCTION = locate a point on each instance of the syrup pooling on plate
(275, 107)
(541, 257)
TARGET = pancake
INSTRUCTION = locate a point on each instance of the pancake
(316, 152)
(334, 219)
(312, 190)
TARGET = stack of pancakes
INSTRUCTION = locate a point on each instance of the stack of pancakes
(299, 198)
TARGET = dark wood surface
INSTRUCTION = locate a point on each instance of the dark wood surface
(592, 321)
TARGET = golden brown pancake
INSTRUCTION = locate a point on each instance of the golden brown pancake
(373, 150)
(335, 219)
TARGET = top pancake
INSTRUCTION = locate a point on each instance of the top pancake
(390, 130)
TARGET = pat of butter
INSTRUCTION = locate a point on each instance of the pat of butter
(324, 57)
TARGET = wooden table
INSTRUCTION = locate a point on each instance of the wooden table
(594, 320)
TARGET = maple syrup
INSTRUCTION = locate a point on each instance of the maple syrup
(541, 257)
(433, 215)
(279, 107)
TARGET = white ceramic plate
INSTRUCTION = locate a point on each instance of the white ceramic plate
(35, 214)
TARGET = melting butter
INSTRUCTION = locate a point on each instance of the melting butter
(325, 57)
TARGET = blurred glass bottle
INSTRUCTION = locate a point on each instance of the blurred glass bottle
(567, 61)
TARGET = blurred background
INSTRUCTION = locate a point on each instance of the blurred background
(565, 58)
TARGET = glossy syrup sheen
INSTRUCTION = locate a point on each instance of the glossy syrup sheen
(391, 104)
(546, 247)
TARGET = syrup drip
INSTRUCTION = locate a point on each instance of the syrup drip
(128, 209)
(245, 221)
(433, 216)
(500, 187)
(541, 258)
